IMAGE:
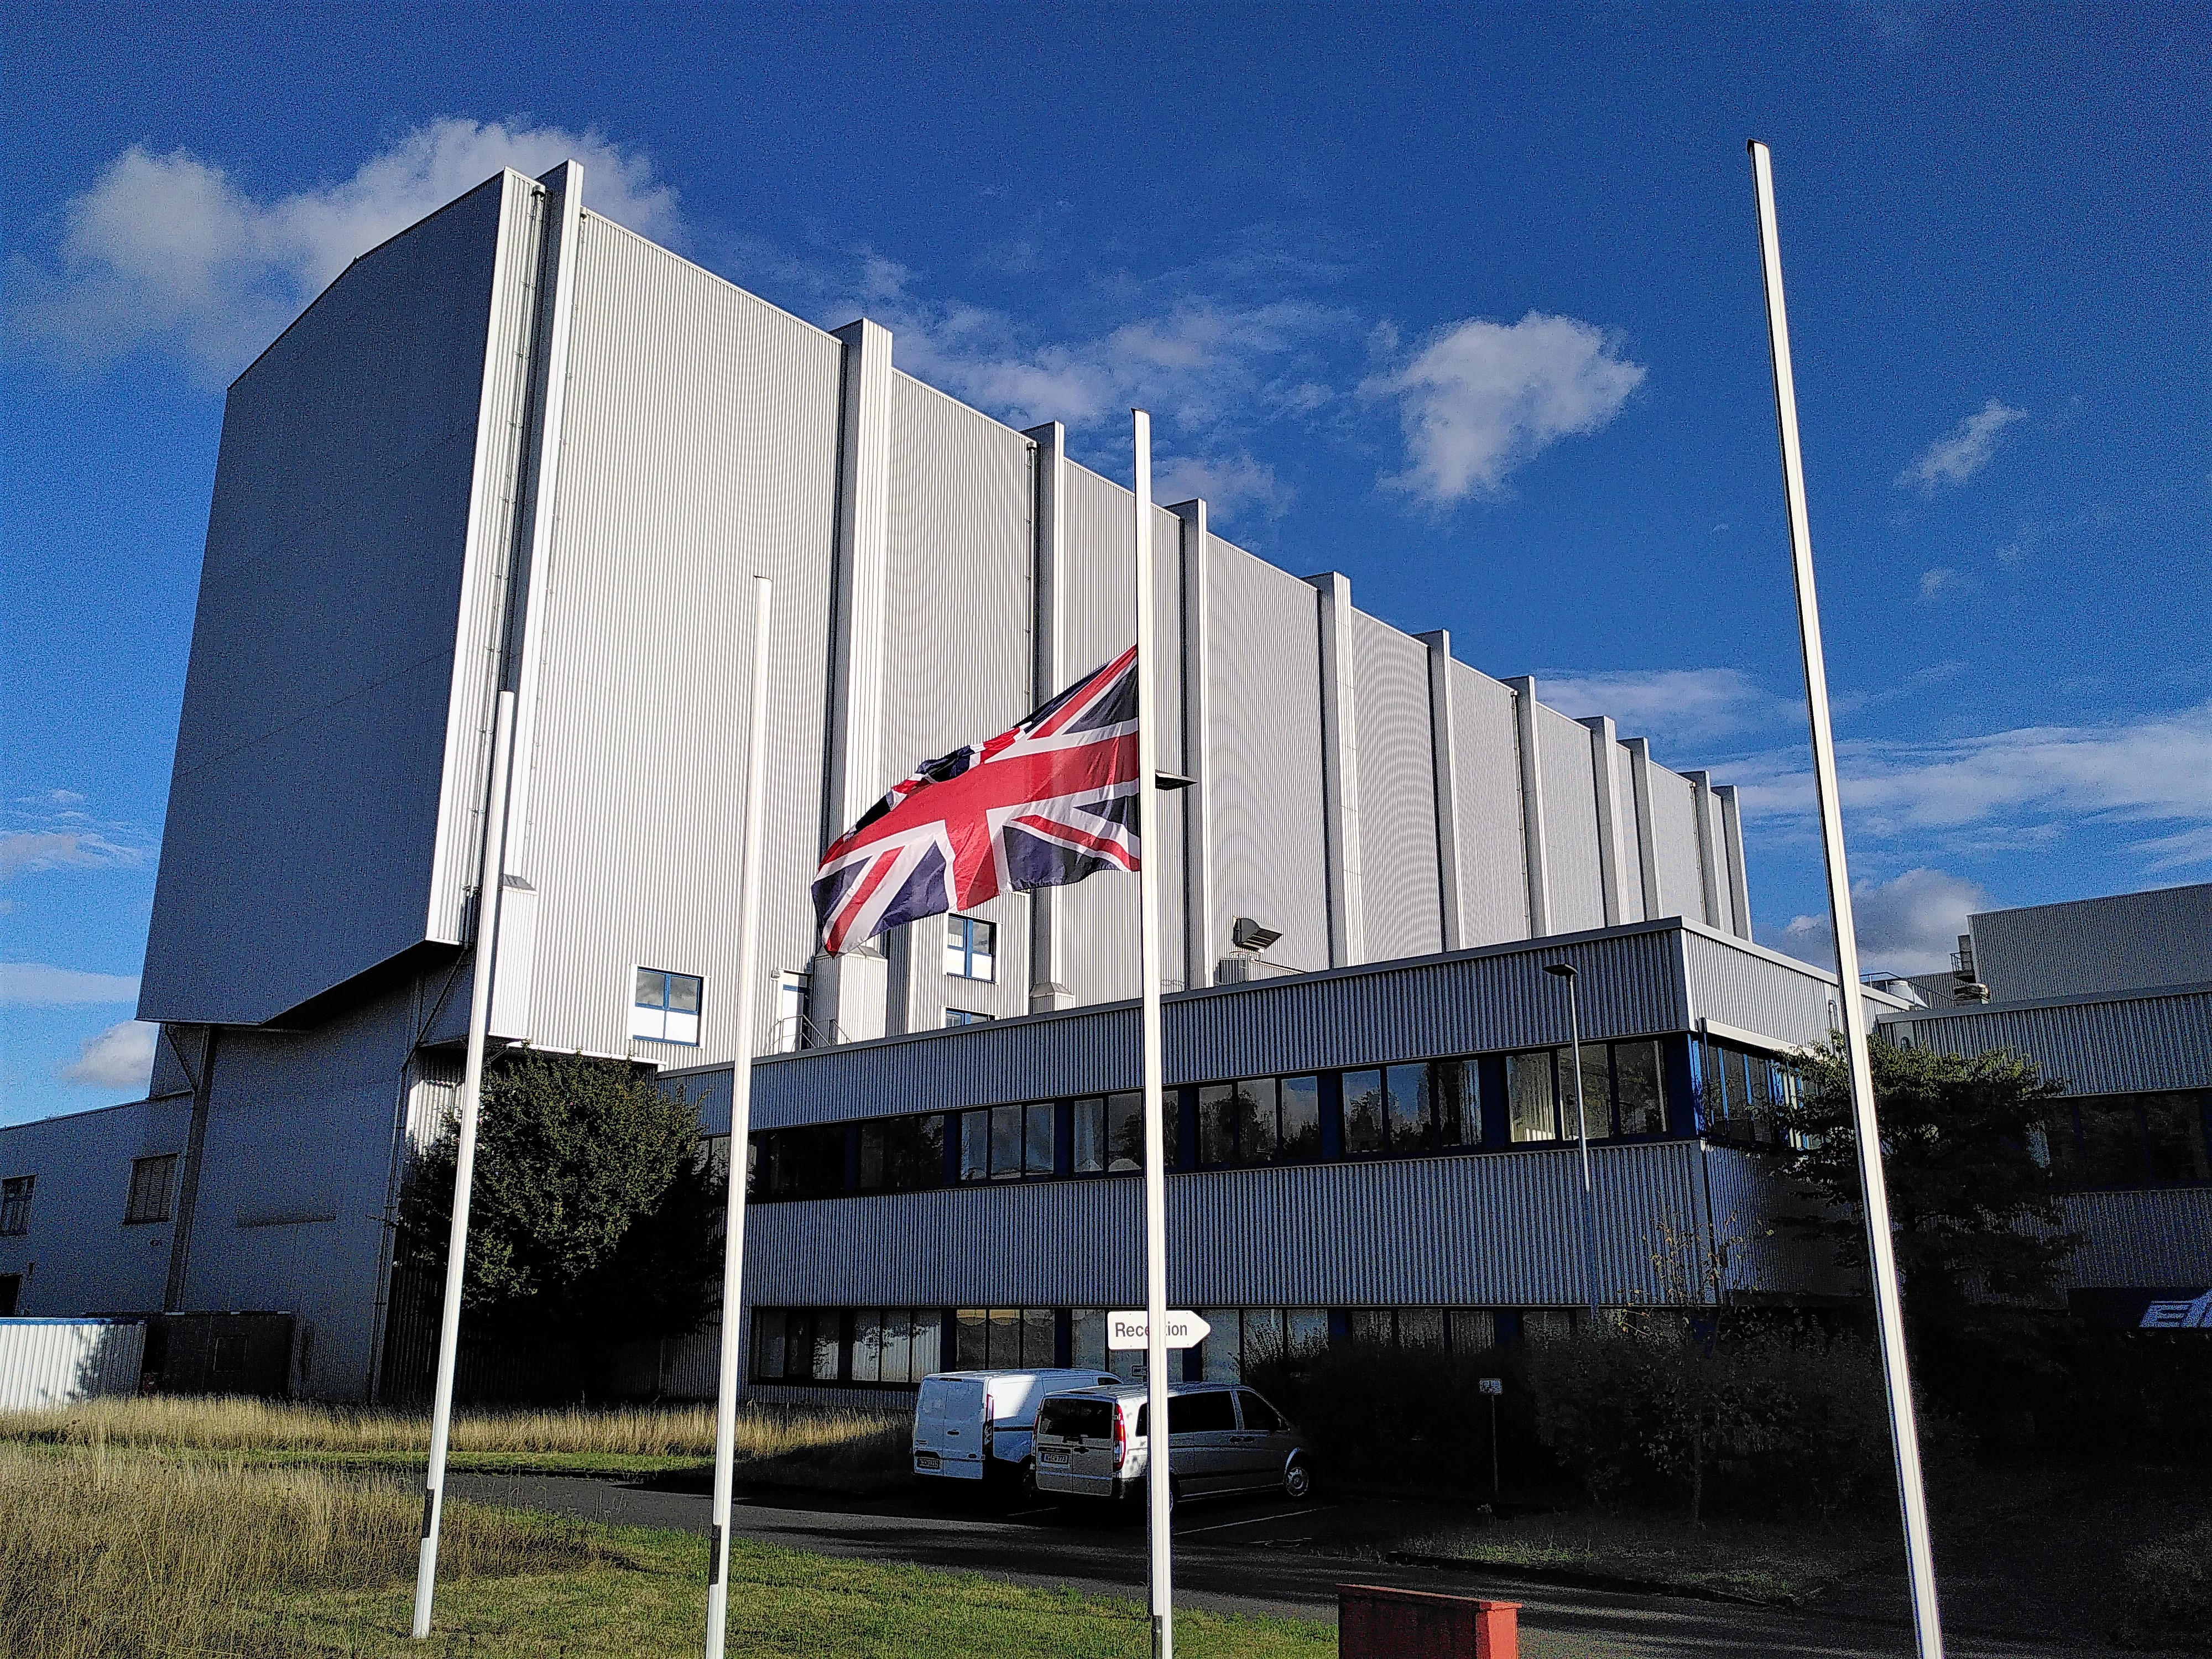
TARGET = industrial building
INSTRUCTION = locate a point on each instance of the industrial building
(519, 447)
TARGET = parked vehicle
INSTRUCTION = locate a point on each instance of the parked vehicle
(974, 1425)
(1222, 1437)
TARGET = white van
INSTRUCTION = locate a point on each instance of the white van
(1222, 1437)
(971, 1425)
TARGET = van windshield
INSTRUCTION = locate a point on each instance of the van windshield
(1077, 1420)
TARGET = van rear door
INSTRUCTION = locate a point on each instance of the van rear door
(948, 1427)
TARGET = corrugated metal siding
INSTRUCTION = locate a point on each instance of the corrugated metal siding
(1569, 785)
(1754, 991)
(1746, 1193)
(1717, 913)
(1493, 858)
(1098, 613)
(699, 448)
(57, 1362)
(2101, 1048)
(1674, 824)
(1500, 1229)
(2156, 1238)
(1397, 793)
(957, 624)
(1632, 841)
(1268, 856)
(496, 504)
(2129, 942)
(1475, 1002)
(303, 809)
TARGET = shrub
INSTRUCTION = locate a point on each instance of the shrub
(2170, 1591)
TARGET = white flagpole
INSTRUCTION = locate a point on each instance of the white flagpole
(489, 884)
(1881, 1257)
(1157, 1472)
(741, 1095)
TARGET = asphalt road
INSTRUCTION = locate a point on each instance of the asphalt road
(1240, 1557)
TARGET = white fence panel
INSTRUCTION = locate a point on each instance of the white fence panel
(57, 1362)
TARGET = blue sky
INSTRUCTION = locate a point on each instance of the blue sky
(1463, 302)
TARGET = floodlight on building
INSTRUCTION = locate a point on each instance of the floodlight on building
(1246, 934)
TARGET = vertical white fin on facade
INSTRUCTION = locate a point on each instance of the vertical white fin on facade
(1047, 982)
(1709, 851)
(1532, 804)
(1610, 865)
(1732, 865)
(1197, 801)
(1444, 745)
(1647, 832)
(1340, 771)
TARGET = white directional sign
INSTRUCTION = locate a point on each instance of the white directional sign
(1127, 1330)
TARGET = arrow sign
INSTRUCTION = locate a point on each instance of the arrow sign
(1127, 1330)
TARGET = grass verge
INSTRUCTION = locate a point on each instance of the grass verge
(838, 1450)
(119, 1554)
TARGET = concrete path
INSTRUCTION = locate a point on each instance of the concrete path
(1236, 1558)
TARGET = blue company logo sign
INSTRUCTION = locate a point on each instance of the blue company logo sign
(2195, 1315)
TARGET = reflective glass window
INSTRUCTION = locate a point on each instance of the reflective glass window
(1090, 1131)
(1260, 1418)
(1256, 1138)
(1212, 1412)
(971, 1339)
(1471, 1329)
(1305, 1331)
(1222, 1350)
(1263, 1335)
(1362, 1112)
(1040, 1127)
(1125, 1134)
(1452, 1106)
(1299, 1138)
(1530, 1108)
(825, 1346)
(1039, 1337)
(767, 1342)
(975, 1145)
(2111, 1141)
(1641, 1101)
(1595, 1079)
(2176, 1124)
(868, 1346)
(1218, 1107)
(1005, 1351)
(1421, 1327)
(928, 1340)
(1086, 1344)
(1405, 1108)
(1370, 1326)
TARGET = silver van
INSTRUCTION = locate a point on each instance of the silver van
(1222, 1437)
(971, 1425)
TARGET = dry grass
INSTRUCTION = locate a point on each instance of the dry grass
(105, 1555)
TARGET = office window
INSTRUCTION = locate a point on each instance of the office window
(964, 1016)
(1236, 1122)
(1639, 1088)
(1004, 1339)
(792, 990)
(791, 1164)
(1220, 1356)
(1596, 1079)
(971, 948)
(1370, 1326)
(1040, 1138)
(1089, 1129)
(1086, 1339)
(894, 1346)
(1362, 1112)
(1421, 1327)
(149, 1188)
(664, 1006)
(16, 1205)
(1218, 1108)
(2111, 1142)
(1299, 1116)
(1005, 1143)
(902, 1154)
(1531, 1100)
(1452, 1104)
(1471, 1329)
(1125, 1132)
(1405, 1108)
(975, 1145)
(2175, 1126)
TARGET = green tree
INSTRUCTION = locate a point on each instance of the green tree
(594, 1220)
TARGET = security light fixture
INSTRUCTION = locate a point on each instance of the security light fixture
(1249, 935)
(1559, 969)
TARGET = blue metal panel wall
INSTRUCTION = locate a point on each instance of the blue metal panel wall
(303, 811)
(1495, 1230)
(1397, 793)
(87, 1261)
(957, 624)
(2104, 1046)
(1746, 1193)
(1569, 790)
(1268, 840)
(2160, 1237)
(701, 445)
(2131, 941)
(1493, 858)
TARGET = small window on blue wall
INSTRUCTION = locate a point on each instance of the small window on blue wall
(664, 1006)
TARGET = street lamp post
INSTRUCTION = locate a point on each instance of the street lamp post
(1565, 971)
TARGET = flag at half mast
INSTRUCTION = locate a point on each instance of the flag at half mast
(1045, 805)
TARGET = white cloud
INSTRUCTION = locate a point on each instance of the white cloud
(1669, 705)
(38, 983)
(24, 851)
(170, 251)
(120, 1057)
(1964, 452)
(1909, 924)
(2009, 787)
(1934, 584)
(1481, 399)
(1226, 483)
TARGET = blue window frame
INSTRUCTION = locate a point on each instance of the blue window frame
(965, 1017)
(664, 1006)
(971, 948)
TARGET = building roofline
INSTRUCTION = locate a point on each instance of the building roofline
(2086, 998)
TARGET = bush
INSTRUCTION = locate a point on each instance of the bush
(2170, 1591)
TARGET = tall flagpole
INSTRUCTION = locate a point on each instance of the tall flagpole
(489, 882)
(1881, 1256)
(741, 1097)
(1157, 1472)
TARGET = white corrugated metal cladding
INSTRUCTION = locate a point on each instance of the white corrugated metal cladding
(59, 1362)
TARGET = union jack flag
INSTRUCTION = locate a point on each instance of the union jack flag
(1045, 805)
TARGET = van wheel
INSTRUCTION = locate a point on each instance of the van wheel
(1297, 1483)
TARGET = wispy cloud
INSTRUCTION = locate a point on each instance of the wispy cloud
(1227, 484)
(51, 831)
(39, 985)
(1963, 451)
(1909, 924)
(120, 1057)
(171, 252)
(2023, 787)
(1480, 399)
(1679, 706)
(1935, 584)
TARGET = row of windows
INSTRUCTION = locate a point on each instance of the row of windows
(1427, 1106)
(2128, 1140)
(899, 1347)
(1738, 1092)
(152, 1183)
